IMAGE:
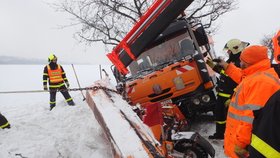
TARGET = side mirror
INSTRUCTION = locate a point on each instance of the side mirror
(201, 36)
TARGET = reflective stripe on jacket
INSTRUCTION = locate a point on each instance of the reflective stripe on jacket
(55, 76)
(263, 148)
(258, 84)
(225, 95)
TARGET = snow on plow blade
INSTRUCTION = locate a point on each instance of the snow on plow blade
(127, 134)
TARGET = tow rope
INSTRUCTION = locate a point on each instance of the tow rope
(94, 88)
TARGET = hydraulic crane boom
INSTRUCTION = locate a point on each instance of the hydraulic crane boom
(150, 25)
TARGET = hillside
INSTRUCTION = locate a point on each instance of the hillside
(11, 60)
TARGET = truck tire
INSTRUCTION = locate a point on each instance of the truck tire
(189, 149)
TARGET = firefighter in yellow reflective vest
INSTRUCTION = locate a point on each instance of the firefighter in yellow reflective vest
(4, 122)
(225, 85)
(55, 75)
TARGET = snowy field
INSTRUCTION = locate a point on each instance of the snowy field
(70, 132)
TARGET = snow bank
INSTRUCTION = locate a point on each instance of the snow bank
(66, 131)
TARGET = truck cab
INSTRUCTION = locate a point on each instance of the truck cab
(172, 69)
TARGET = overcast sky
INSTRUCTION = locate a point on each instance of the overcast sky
(250, 22)
(29, 28)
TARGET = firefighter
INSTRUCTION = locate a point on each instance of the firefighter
(276, 47)
(55, 75)
(265, 134)
(257, 83)
(225, 85)
(4, 123)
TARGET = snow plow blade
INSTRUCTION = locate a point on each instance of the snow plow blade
(127, 134)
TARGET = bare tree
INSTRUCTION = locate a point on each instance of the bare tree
(108, 21)
(267, 41)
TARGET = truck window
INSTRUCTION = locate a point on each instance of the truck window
(159, 55)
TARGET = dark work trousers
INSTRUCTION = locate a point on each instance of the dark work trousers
(4, 122)
(220, 113)
(66, 95)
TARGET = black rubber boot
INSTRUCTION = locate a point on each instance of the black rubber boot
(220, 130)
(71, 103)
(51, 107)
(216, 136)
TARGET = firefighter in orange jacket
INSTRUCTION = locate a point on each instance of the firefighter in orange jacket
(276, 47)
(55, 75)
(265, 134)
(257, 83)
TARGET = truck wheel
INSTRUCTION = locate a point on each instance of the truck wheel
(188, 110)
(189, 149)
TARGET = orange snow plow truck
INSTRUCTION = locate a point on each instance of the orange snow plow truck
(162, 60)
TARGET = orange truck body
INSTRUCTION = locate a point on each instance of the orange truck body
(142, 91)
(184, 80)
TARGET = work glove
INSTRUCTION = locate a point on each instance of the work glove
(221, 63)
(215, 67)
(210, 63)
(227, 102)
(217, 60)
(45, 87)
(240, 152)
(67, 85)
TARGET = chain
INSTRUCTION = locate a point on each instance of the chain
(94, 88)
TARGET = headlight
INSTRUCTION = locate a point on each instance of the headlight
(205, 98)
(196, 101)
(179, 83)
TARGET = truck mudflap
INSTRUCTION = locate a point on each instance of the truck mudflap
(188, 142)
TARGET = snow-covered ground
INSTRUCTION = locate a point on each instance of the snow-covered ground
(65, 131)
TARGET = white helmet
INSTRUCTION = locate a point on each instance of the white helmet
(235, 46)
